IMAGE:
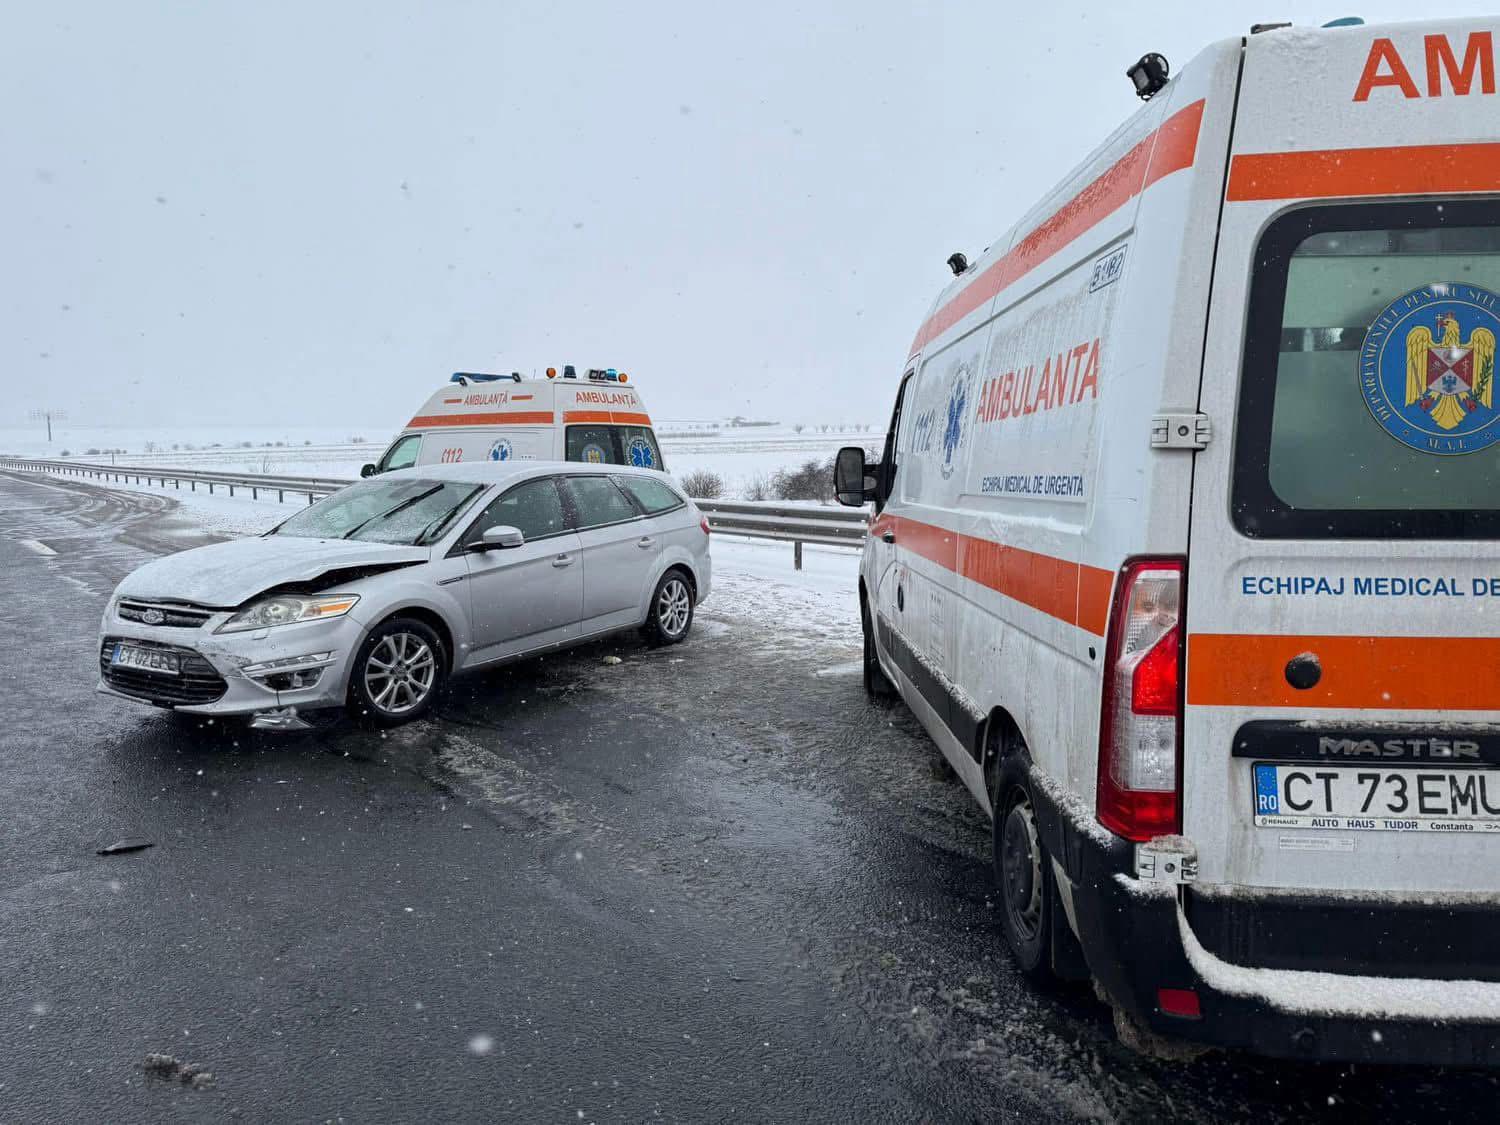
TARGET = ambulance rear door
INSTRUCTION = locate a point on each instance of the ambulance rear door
(1343, 579)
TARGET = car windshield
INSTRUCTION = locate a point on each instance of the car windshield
(407, 511)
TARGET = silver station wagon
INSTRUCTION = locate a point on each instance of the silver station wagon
(371, 598)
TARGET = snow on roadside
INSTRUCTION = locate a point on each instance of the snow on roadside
(754, 581)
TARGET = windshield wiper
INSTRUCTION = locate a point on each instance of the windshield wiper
(401, 507)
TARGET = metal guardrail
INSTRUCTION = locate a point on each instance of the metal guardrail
(253, 483)
(824, 526)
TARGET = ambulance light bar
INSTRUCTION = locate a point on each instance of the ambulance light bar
(477, 377)
(608, 375)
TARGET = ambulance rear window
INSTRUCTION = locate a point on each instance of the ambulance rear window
(1368, 407)
(614, 445)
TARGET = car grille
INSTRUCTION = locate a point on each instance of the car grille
(198, 683)
(173, 616)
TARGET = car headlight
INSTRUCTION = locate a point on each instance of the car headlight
(284, 609)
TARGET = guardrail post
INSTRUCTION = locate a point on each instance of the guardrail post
(281, 496)
(797, 555)
(210, 488)
(254, 493)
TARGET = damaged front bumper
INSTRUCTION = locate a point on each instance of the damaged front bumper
(301, 667)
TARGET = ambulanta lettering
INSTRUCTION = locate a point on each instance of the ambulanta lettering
(606, 398)
(1067, 378)
(490, 398)
(1445, 69)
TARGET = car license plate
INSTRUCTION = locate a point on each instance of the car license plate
(147, 659)
(1371, 799)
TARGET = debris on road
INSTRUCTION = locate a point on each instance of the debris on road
(175, 1070)
(613, 660)
(128, 844)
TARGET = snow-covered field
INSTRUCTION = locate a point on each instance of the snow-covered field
(741, 456)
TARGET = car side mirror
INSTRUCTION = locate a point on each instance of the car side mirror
(502, 537)
(854, 481)
(367, 470)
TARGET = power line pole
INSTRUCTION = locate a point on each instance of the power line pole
(49, 416)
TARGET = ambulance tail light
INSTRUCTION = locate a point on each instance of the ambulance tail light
(703, 523)
(1140, 729)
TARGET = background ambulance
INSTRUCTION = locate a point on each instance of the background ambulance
(1184, 550)
(598, 419)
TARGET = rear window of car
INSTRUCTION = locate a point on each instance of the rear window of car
(597, 501)
(653, 496)
(1367, 400)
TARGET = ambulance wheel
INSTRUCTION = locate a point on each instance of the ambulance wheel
(1024, 874)
(877, 686)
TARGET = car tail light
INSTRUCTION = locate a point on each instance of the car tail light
(703, 523)
(1140, 727)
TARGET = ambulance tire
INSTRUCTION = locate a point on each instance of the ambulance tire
(877, 686)
(1023, 873)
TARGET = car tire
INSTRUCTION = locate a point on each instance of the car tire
(1023, 873)
(670, 613)
(398, 673)
(877, 683)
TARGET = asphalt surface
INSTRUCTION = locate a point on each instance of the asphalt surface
(709, 882)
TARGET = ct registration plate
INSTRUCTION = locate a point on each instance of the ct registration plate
(1371, 799)
(146, 659)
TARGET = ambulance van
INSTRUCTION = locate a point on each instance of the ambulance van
(598, 419)
(1184, 550)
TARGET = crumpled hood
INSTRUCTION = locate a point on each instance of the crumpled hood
(224, 575)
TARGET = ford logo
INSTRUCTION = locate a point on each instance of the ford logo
(153, 617)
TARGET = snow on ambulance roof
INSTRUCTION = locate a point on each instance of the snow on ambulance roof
(532, 402)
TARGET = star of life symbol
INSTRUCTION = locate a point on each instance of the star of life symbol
(953, 424)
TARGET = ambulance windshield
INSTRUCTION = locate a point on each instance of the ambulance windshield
(1368, 405)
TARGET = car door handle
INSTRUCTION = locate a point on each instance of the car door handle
(888, 536)
(645, 541)
(563, 560)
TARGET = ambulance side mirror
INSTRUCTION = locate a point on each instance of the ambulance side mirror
(854, 482)
(367, 470)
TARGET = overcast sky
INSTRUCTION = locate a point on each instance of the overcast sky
(310, 213)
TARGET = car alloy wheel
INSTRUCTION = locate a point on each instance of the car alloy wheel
(399, 673)
(674, 608)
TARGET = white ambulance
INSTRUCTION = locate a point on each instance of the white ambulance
(1184, 550)
(598, 419)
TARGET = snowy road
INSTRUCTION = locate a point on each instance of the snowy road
(708, 882)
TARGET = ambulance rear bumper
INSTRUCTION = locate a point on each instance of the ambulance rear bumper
(1138, 939)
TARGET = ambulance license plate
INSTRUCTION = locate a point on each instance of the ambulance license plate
(147, 660)
(1371, 799)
